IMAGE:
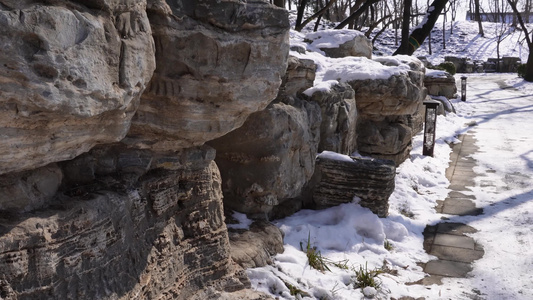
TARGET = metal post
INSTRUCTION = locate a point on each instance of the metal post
(463, 88)
(430, 126)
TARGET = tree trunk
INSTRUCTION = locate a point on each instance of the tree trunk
(356, 14)
(279, 3)
(529, 67)
(300, 14)
(477, 16)
(316, 15)
(418, 35)
(406, 20)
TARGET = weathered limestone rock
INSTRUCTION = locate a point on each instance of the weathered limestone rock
(339, 119)
(446, 106)
(270, 157)
(355, 43)
(217, 62)
(440, 83)
(397, 95)
(386, 139)
(388, 108)
(253, 248)
(151, 226)
(70, 77)
(299, 77)
(29, 190)
(337, 181)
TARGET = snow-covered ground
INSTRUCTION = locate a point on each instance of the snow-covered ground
(351, 238)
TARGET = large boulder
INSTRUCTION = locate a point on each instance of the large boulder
(217, 63)
(339, 116)
(337, 43)
(340, 178)
(388, 105)
(440, 83)
(269, 158)
(148, 226)
(299, 77)
(71, 75)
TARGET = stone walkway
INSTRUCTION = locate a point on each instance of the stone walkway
(447, 241)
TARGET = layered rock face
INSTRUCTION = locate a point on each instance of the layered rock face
(339, 119)
(217, 62)
(123, 221)
(70, 77)
(151, 226)
(389, 111)
(338, 181)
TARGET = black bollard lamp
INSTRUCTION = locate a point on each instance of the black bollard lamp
(430, 126)
(463, 88)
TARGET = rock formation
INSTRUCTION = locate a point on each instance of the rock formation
(151, 226)
(338, 180)
(339, 118)
(270, 157)
(354, 43)
(440, 83)
(70, 77)
(389, 110)
(87, 213)
(217, 62)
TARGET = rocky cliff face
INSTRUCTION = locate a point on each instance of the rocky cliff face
(106, 191)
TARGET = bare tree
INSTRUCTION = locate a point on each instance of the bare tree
(405, 25)
(528, 76)
(477, 16)
(419, 34)
(365, 5)
(316, 15)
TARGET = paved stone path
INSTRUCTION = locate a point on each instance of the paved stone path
(448, 241)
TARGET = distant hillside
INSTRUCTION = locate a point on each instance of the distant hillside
(464, 41)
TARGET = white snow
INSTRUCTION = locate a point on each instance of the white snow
(331, 38)
(352, 235)
(242, 219)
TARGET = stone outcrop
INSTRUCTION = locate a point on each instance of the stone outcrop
(70, 77)
(355, 43)
(217, 62)
(270, 157)
(339, 179)
(440, 83)
(87, 213)
(300, 75)
(29, 190)
(253, 248)
(148, 226)
(339, 118)
(389, 110)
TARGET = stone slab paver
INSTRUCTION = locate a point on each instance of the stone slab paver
(461, 210)
(448, 240)
(452, 240)
(454, 228)
(448, 268)
(456, 254)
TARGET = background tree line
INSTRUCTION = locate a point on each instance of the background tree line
(413, 20)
